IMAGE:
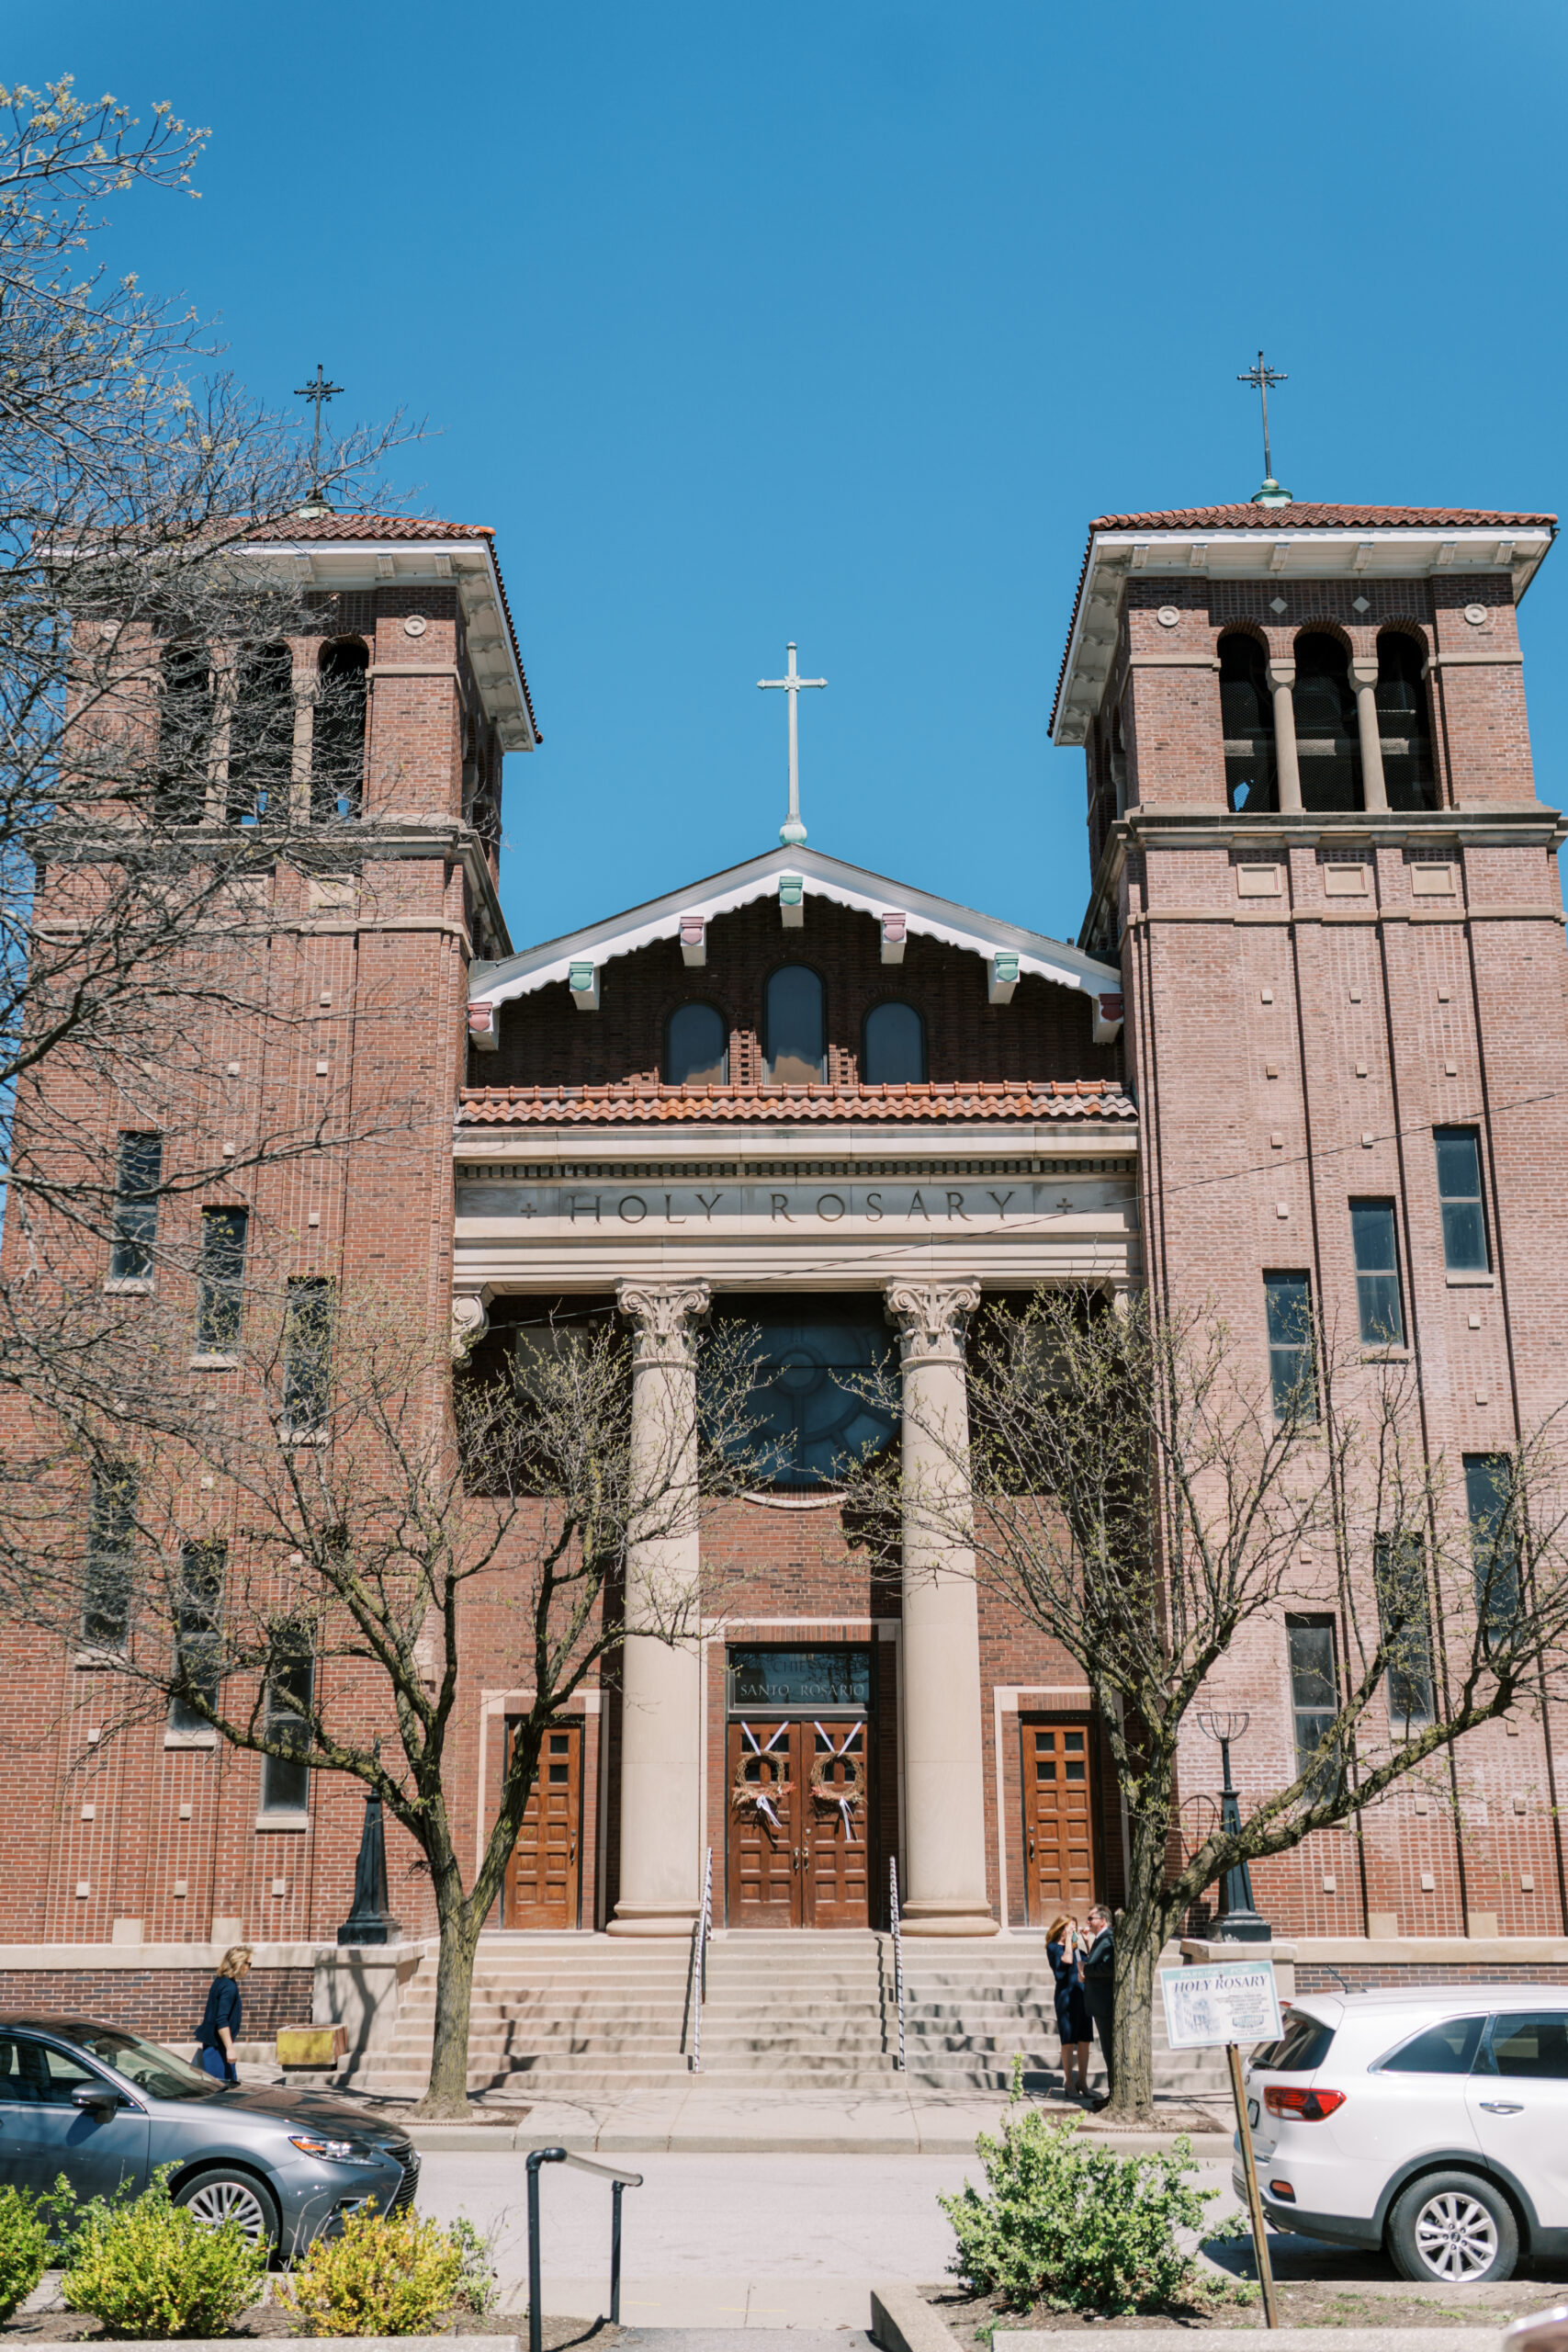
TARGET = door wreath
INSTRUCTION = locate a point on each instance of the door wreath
(759, 1794)
(849, 1794)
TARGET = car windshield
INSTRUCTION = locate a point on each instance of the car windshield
(157, 2072)
(1302, 2046)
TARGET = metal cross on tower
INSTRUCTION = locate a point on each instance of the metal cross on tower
(1262, 379)
(792, 833)
(319, 391)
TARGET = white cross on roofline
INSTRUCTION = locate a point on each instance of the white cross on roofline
(792, 833)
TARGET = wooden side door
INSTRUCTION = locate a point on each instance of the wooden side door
(836, 1834)
(542, 1876)
(1058, 1820)
(766, 1886)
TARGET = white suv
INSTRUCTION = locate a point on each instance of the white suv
(1433, 2122)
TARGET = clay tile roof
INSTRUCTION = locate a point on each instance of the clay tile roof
(640, 1102)
(298, 528)
(1275, 519)
(327, 525)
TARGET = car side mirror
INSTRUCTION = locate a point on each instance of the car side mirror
(96, 2098)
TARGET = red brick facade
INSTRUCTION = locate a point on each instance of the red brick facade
(1286, 1050)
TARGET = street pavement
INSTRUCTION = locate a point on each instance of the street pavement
(758, 2241)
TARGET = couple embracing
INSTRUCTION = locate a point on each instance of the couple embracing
(1083, 1962)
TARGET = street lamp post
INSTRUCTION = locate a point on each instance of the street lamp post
(1242, 1923)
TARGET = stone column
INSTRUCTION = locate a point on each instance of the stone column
(1364, 678)
(1281, 682)
(661, 1715)
(944, 1825)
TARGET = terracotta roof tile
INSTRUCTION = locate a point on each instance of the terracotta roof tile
(1297, 516)
(641, 1103)
(328, 525)
(296, 528)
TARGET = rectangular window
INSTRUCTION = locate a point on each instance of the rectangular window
(306, 1355)
(223, 1275)
(138, 1176)
(1377, 1273)
(1315, 1697)
(1399, 1575)
(1292, 1377)
(198, 1639)
(1494, 1544)
(111, 1527)
(286, 1781)
(1458, 1195)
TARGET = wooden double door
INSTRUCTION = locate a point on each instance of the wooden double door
(801, 1807)
(1059, 1841)
(542, 1878)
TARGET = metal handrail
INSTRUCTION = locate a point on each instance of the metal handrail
(898, 1951)
(699, 1964)
(619, 2179)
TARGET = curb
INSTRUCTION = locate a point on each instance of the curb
(1288, 2339)
(902, 2321)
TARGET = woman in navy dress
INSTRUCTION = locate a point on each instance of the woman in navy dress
(1063, 1948)
(220, 2025)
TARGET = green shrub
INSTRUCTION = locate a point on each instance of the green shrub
(1074, 2226)
(388, 2275)
(150, 2268)
(24, 2246)
(476, 2285)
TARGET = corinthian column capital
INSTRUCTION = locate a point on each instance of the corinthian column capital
(661, 1314)
(931, 1319)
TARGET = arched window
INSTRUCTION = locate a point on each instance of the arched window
(1328, 743)
(1246, 712)
(261, 735)
(184, 735)
(894, 1046)
(337, 735)
(696, 1047)
(793, 1048)
(1403, 723)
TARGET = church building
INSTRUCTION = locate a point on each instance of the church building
(1316, 1010)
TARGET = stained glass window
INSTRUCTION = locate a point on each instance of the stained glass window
(814, 1362)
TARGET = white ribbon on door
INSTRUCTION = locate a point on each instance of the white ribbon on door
(764, 1804)
(840, 1798)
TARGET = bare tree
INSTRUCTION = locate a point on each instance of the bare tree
(354, 1536)
(150, 782)
(1144, 1499)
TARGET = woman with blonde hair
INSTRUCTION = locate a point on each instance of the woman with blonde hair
(1064, 1948)
(220, 2021)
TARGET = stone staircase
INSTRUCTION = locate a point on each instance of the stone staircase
(554, 2016)
(590, 2018)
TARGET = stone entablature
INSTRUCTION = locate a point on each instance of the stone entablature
(991, 1204)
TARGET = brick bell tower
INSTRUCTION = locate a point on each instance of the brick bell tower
(1319, 853)
(364, 950)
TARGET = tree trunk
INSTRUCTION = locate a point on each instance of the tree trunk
(448, 2093)
(1132, 2026)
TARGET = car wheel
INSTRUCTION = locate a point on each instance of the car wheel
(223, 2194)
(1456, 2228)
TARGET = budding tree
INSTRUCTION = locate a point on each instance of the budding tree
(325, 1570)
(1147, 1498)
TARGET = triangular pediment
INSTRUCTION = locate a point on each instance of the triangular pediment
(771, 876)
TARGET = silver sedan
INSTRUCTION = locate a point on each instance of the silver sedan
(107, 2109)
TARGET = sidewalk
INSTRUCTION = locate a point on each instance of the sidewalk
(698, 2117)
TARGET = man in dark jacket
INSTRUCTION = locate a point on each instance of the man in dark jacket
(1099, 1991)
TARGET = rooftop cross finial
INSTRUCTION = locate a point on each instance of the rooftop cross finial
(1262, 379)
(792, 833)
(320, 392)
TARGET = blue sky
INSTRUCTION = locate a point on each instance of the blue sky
(837, 322)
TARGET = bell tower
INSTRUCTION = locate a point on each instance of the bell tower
(1319, 853)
